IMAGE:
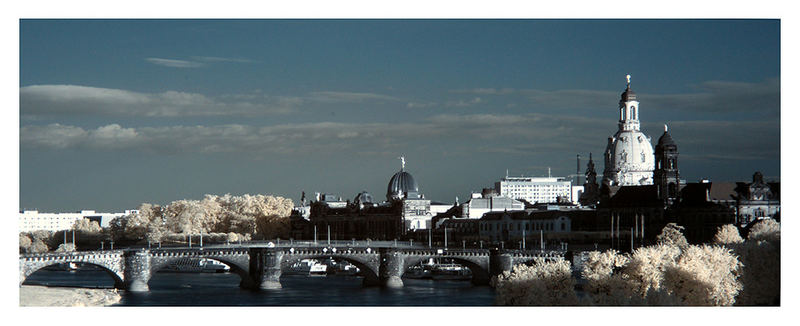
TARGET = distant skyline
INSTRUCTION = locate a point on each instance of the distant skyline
(114, 113)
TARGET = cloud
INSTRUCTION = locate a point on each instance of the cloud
(220, 59)
(486, 91)
(173, 63)
(39, 100)
(464, 103)
(544, 136)
(709, 96)
(349, 97)
(417, 105)
(723, 96)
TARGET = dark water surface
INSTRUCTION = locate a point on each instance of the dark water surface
(210, 289)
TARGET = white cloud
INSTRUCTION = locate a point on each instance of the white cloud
(416, 105)
(82, 100)
(173, 63)
(464, 103)
(486, 91)
(349, 97)
(470, 134)
(54, 136)
(39, 100)
(709, 96)
(221, 59)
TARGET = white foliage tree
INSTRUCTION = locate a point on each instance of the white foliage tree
(727, 234)
(760, 257)
(544, 283)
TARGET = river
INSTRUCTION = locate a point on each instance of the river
(222, 289)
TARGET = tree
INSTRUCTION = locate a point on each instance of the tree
(727, 234)
(86, 226)
(544, 283)
(760, 256)
(25, 243)
(672, 234)
(704, 275)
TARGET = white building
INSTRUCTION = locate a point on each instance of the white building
(32, 220)
(535, 189)
(629, 158)
(514, 226)
(479, 204)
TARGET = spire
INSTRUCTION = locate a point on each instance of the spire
(402, 163)
(666, 128)
(629, 80)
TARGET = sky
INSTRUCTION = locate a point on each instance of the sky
(115, 113)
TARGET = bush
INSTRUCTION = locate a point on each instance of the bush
(545, 283)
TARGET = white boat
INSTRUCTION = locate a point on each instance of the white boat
(307, 267)
(340, 267)
(454, 272)
(318, 270)
(347, 269)
(419, 272)
(202, 265)
(63, 267)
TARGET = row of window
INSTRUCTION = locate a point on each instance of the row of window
(519, 226)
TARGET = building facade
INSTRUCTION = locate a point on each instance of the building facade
(757, 200)
(32, 220)
(535, 189)
(404, 212)
(481, 204)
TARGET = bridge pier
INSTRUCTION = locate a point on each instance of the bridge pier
(499, 263)
(137, 270)
(391, 268)
(265, 268)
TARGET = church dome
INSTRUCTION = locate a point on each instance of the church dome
(400, 185)
(666, 140)
(631, 157)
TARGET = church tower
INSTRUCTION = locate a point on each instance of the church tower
(591, 193)
(666, 175)
(629, 155)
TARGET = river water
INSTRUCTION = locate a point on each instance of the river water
(222, 289)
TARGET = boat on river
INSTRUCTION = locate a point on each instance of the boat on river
(202, 265)
(454, 272)
(309, 267)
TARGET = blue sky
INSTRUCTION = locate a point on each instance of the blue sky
(114, 113)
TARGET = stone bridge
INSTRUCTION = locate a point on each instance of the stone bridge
(261, 267)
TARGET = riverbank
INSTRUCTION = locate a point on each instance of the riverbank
(43, 296)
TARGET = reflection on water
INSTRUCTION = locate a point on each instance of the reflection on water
(212, 289)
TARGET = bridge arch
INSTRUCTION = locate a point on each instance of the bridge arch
(238, 266)
(110, 264)
(480, 273)
(369, 271)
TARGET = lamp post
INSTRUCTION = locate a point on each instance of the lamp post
(429, 238)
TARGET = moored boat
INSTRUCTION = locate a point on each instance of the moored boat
(202, 265)
(453, 272)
